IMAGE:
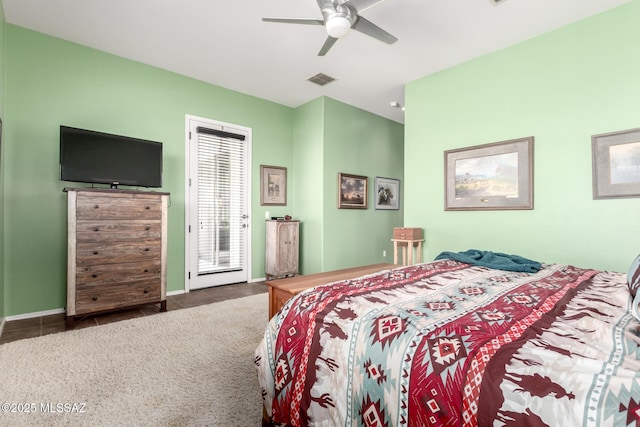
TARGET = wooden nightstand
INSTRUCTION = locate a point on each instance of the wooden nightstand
(407, 250)
(407, 238)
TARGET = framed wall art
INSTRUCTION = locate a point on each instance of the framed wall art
(616, 164)
(352, 191)
(387, 193)
(273, 186)
(496, 176)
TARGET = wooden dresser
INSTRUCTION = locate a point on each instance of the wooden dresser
(117, 250)
(281, 252)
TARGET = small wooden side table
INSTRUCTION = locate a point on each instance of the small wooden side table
(407, 249)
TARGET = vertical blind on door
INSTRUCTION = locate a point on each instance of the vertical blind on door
(221, 206)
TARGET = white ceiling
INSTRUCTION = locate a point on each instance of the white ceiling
(227, 44)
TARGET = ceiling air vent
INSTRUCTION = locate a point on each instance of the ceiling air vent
(496, 2)
(321, 79)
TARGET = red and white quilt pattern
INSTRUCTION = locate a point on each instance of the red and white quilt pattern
(449, 344)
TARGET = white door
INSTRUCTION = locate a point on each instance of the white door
(217, 229)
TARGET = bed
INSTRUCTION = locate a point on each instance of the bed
(449, 343)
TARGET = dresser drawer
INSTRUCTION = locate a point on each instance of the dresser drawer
(98, 298)
(106, 206)
(92, 253)
(96, 230)
(143, 292)
(107, 274)
(406, 233)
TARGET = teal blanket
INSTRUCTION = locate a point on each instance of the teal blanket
(495, 260)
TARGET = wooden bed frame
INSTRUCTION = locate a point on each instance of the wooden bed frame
(281, 290)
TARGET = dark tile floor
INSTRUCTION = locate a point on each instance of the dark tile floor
(37, 326)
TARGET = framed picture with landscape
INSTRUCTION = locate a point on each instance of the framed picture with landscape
(387, 193)
(492, 176)
(352, 191)
(273, 186)
(616, 164)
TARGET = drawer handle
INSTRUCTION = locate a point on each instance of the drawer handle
(146, 249)
(95, 298)
(146, 291)
(146, 270)
(147, 228)
(95, 252)
(95, 229)
(96, 206)
(94, 275)
(147, 207)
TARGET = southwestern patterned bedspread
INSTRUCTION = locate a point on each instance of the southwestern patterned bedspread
(447, 343)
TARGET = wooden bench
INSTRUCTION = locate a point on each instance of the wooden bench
(281, 290)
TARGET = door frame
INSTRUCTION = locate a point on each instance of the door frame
(187, 204)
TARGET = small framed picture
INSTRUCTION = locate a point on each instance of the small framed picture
(352, 191)
(387, 193)
(616, 164)
(273, 186)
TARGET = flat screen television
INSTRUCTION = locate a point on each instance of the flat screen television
(101, 158)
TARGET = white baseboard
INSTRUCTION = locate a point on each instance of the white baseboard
(186, 292)
(35, 314)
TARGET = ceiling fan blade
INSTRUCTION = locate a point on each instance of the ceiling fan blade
(327, 45)
(371, 29)
(295, 21)
(362, 5)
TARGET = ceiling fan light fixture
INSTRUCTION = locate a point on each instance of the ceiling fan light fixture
(338, 26)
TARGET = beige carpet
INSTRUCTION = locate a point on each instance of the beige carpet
(190, 367)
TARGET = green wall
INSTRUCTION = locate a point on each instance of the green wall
(2, 169)
(359, 143)
(332, 137)
(562, 88)
(307, 183)
(52, 82)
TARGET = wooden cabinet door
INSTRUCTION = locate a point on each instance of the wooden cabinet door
(288, 247)
(281, 253)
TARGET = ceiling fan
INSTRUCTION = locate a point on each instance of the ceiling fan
(339, 16)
